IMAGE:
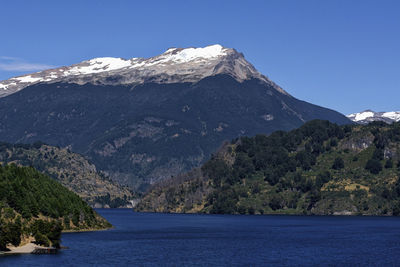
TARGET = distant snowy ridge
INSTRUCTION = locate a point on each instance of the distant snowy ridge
(174, 65)
(368, 116)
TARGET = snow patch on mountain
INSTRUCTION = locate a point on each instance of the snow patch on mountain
(27, 79)
(98, 65)
(368, 116)
(393, 115)
(190, 54)
(363, 115)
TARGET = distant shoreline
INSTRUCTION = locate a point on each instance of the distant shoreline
(86, 230)
(336, 214)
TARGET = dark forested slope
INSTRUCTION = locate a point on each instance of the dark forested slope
(34, 205)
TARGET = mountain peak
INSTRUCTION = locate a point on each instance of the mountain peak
(173, 66)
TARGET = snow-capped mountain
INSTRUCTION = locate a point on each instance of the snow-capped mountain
(141, 120)
(174, 65)
(368, 116)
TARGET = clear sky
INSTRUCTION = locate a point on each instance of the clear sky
(340, 54)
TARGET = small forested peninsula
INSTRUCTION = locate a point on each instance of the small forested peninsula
(34, 207)
(320, 168)
(72, 170)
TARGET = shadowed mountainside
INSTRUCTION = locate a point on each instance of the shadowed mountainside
(139, 134)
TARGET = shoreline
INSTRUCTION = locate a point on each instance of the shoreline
(30, 247)
(25, 249)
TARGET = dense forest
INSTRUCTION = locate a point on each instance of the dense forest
(319, 168)
(72, 170)
(34, 205)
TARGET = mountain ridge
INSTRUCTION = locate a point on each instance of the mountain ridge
(174, 65)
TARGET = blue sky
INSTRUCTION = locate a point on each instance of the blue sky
(344, 55)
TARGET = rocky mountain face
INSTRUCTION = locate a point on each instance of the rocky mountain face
(319, 168)
(368, 116)
(144, 120)
(70, 169)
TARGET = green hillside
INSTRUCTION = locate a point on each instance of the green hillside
(34, 205)
(72, 170)
(320, 168)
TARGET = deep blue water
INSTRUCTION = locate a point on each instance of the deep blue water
(146, 239)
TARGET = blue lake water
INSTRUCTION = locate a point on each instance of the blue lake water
(147, 239)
